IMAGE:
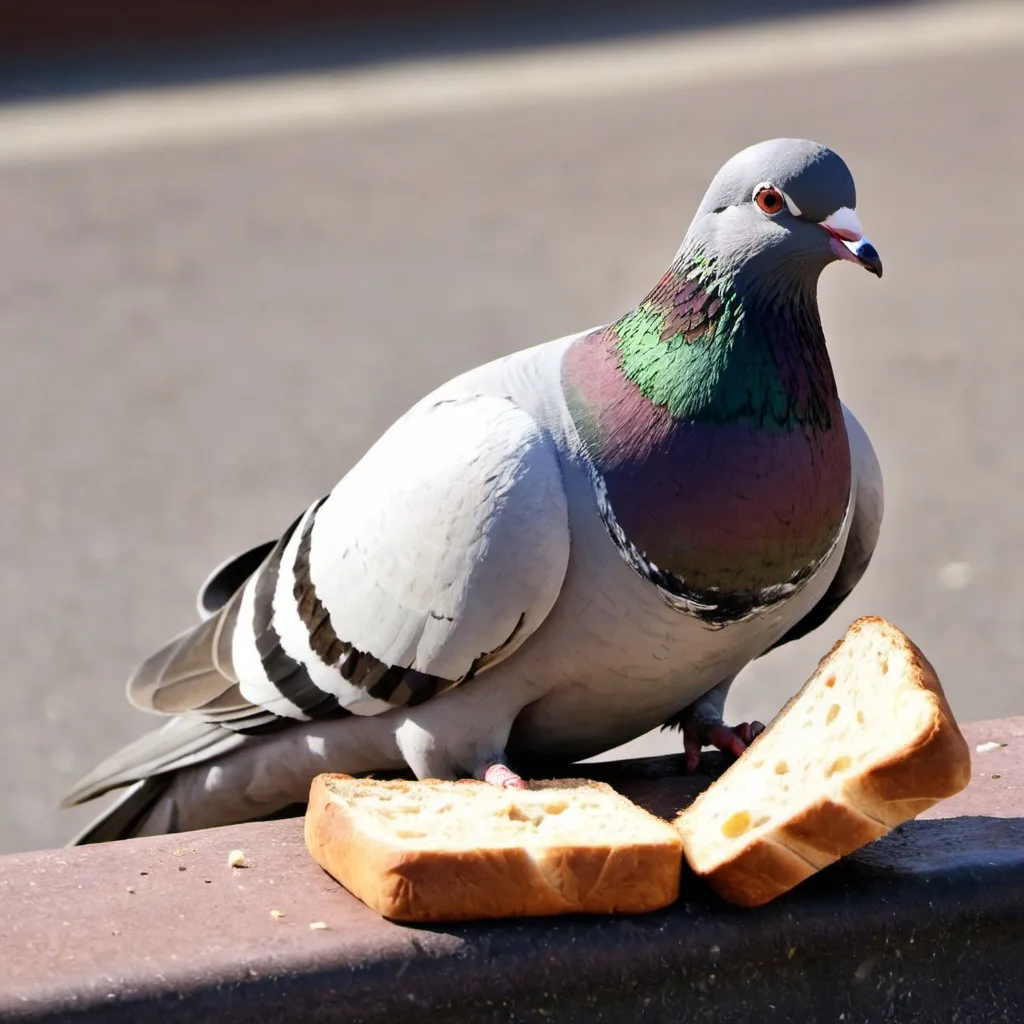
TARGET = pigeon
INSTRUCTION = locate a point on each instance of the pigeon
(549, 555)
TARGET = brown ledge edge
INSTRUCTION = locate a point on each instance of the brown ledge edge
(925, 925)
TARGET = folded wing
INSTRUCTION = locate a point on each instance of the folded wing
(435, 557)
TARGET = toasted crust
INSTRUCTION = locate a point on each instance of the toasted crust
(460, 885)
(938, 767)
(759, 873)
(935, 765)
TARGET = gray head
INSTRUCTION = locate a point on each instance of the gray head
(787, 206)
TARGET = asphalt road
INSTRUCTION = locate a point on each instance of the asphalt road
(199, 338)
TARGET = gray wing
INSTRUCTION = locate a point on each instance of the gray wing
(440, 552)
(864, 530)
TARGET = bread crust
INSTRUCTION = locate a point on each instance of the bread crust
(451, 885)
(934, 766)
(759, 873)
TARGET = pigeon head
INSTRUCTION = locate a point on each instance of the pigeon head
(784, 206)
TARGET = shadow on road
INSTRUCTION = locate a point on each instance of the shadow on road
(40, 60)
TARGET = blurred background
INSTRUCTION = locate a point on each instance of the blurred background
(238, 239)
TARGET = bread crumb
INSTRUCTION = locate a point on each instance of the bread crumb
(318, 926)
(984, 748)
(236, 859)
(277, 914)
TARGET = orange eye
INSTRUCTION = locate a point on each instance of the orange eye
(769, 199)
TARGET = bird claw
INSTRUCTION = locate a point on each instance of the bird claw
(700, 732)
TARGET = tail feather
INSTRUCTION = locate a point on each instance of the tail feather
(181, 742)
(192, 679)
(122, 818)
(190, 671)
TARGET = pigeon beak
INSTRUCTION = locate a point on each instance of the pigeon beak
(866, 255)
(848, 242)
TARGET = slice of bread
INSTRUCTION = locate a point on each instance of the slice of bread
(459, 851)
(866, 744)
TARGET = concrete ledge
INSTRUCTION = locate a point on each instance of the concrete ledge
(925, 925)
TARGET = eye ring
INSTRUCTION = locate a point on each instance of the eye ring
(769, 199)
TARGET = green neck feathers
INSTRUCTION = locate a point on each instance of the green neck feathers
(693, 348)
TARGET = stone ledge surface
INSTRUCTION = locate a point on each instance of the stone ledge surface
(925, 925)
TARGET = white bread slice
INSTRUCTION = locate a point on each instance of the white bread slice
(459, 851)
(868, 743)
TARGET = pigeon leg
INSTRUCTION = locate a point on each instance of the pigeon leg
(702, 726)
(500, 775)
(436, 746)
(700, 732)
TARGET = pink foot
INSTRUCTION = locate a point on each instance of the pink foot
(699, 733)
(503, 777)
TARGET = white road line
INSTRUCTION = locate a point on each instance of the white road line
(67, 129)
